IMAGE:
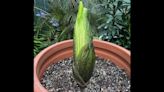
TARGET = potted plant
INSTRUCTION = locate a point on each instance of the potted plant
(84, 51)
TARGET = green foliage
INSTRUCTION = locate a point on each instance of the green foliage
(54, 25)
(110, 21)
(44, 33)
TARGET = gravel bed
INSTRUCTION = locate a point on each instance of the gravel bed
(107, 77)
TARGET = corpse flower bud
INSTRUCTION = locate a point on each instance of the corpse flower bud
(84, 55)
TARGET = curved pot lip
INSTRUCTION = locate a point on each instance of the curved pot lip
(66, 41)
(44, 51)
(114, 45)
(119, 48)
(37, 58)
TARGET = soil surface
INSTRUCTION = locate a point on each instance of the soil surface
(107, 77)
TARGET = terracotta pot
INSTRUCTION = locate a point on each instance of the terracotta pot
(64, 49)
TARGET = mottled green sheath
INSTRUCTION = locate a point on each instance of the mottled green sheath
(84, 55)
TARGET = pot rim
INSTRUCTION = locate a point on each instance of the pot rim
(37, 84)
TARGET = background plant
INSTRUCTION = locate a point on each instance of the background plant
(112, 21)
(54, 21)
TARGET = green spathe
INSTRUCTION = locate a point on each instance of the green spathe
(84, 55)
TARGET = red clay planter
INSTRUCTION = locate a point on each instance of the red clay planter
(59, 51)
